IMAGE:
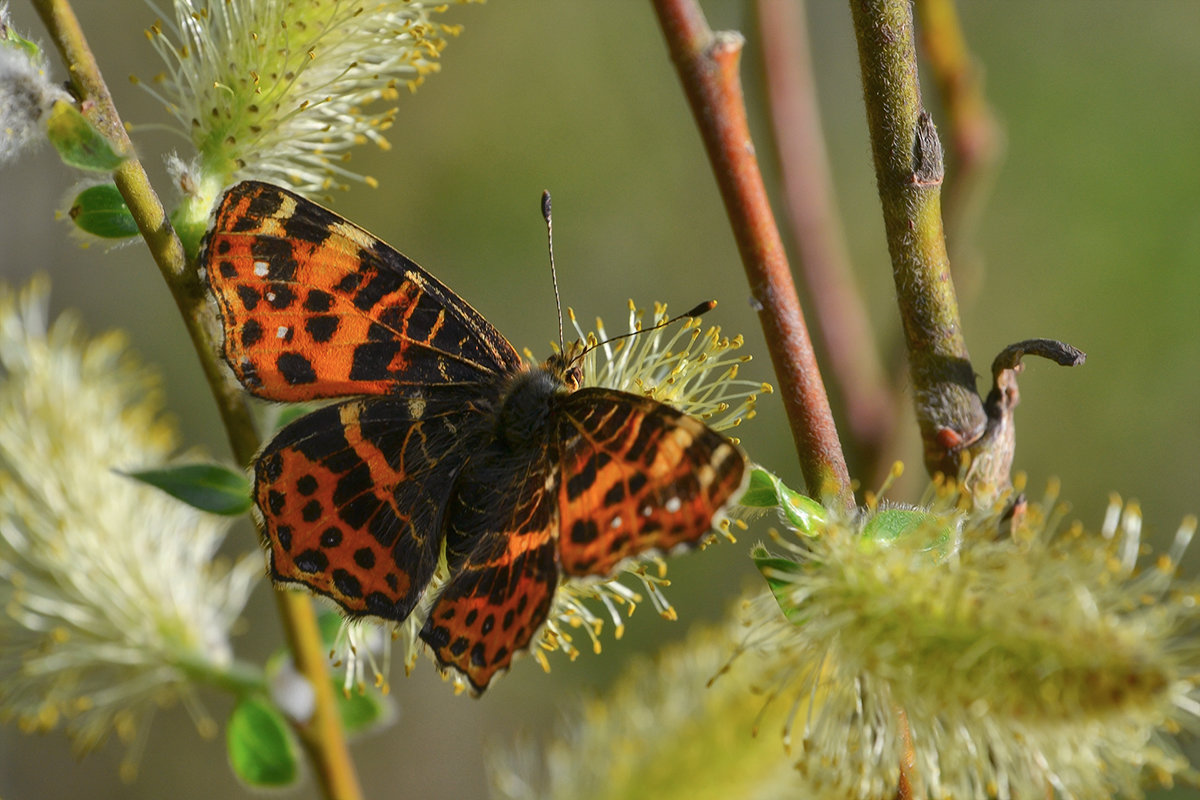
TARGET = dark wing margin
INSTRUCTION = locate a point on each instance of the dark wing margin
(313, 306)
(637, 475)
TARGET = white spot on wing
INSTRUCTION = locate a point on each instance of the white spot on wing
(683, 438)
(616, 523)
(282, 332)
(673, 505)
(270, 297)
(260, 268)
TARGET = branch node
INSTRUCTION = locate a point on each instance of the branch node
(929, 163)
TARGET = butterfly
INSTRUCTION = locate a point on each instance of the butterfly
(442, 439)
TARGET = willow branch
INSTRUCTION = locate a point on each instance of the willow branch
(908, 170)
(322, 735)
(707, 64)
(819, 242)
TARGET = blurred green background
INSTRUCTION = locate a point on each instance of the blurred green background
(1092, 236)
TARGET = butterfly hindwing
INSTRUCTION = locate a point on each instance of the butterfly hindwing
(314, 306)
(637, 475)
(353, 495)
(501, 549)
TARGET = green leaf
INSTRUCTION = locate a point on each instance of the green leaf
(209, 487)
(31, 50)
(804, 513)
(360, 711)
(893, 524)
(800, 510)
(78, 142)
(101, 211)
(761, 491)
(774, 569)
(262, 749)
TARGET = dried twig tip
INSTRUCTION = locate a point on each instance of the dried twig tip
(1058, 352)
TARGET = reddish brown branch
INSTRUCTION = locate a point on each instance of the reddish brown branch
(819, 243)
(708, 69)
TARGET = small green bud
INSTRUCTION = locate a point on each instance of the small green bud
(101, 211)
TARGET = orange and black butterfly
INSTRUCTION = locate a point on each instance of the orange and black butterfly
(446, 438)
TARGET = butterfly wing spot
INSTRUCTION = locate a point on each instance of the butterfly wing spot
(321, 328)
(346, 584)
(295, 369)
(584, 531)
(311, 561)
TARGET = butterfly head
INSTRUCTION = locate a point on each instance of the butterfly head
(566, 365)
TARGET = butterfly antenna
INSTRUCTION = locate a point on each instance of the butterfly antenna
(697, 311)
(562, 347)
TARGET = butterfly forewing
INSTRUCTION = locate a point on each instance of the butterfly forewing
(636, 475)
(313, 306)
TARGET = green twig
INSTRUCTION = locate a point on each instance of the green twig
(707, 63)
(958, 428)
(322, 735)
(238, 678)
(908, 169)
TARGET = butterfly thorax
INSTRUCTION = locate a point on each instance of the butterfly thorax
(526, 405)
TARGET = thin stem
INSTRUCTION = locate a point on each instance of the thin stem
(238, 678)
(908, 762)
(909, 169)
(322, 735)
(707, 63)
(819, 242)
